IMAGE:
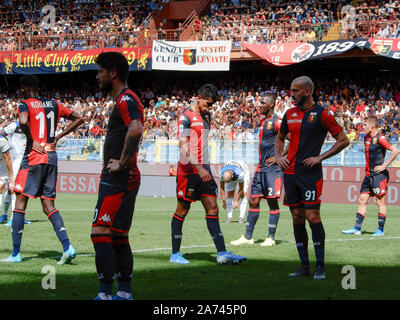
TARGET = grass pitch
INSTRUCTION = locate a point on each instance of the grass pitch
(263, 276)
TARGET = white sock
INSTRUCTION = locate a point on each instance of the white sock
(243, 208)
(6, 203)
(229, 207)
(13, 199)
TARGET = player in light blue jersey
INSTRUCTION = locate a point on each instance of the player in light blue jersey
(234, 173)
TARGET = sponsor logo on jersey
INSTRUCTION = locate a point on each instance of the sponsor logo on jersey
(106, 218)
(126, 98)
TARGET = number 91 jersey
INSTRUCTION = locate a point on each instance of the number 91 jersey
(43, 115)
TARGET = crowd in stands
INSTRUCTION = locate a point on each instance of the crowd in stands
(286, 21)
(236, 115)
(84, 23)
(79, 17)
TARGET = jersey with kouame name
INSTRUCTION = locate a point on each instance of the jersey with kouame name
(266, 145)
(308, 130)
(195, 128)
(375, 152)
(43, 117)
(127, 108)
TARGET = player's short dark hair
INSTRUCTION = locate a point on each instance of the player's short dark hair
(112, 60)
(29, 81)
(268, 95)
(207, 91)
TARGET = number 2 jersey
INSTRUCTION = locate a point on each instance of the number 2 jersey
(43, 117)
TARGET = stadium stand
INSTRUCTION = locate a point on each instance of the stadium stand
(135, 23)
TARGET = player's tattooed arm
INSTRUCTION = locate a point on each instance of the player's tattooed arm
(131, 145)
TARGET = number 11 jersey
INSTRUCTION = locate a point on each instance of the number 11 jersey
(43, 116)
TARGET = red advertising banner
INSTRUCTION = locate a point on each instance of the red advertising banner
(40, 62)
(283, 54)
(341, 184)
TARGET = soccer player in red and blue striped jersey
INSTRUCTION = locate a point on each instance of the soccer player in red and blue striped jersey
(194, 178)
(308, 124)
(267, 179)
(37, 175)
(376, 175)
(120, 180)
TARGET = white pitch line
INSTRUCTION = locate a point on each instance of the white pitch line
(212, 245)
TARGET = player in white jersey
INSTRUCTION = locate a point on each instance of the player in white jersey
(234, 173)
(17, 142)
(6, 171)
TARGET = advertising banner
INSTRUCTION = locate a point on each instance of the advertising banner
(283, 54)
(45, 62)
(191, 55)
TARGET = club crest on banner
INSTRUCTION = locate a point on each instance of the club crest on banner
(303, 52)
(189, 56)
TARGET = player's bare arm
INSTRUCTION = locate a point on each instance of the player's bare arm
(185, 154)
(394, 151)
(222, 186)
(76, 121)
(281, 160)
(132, 140)
(26, 129)
(341, 142)
(238, 195)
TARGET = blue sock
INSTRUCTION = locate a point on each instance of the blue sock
(123, 263)
(318, 236)
(176, 232)
(215, 232)
(381, 221)
(252, 217)
(17, 229)
(359, 221)
(301, 238)
(58, 225)
(105, 261)
(273, 222)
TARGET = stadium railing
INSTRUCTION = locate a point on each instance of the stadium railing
(266, 33)
(167, 151)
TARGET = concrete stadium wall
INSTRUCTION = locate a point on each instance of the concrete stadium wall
(341, 184)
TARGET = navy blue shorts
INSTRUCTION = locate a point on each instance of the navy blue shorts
(375, 185)
(192, 188)
(37, 181)
(267, 184)
(303, 190)
(114, 208)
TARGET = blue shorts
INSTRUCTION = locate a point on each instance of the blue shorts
(114, 208)
(37, 181)
(303, 190)
(191, 188)
(375, 185)
(267, 184)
